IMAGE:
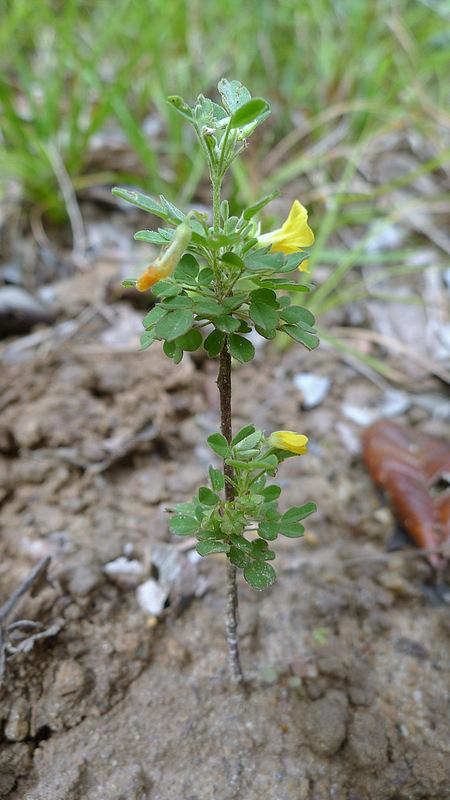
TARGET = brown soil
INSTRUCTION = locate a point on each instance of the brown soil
(347, 653)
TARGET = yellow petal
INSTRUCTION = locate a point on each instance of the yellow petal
(293, 235)
(288, 440)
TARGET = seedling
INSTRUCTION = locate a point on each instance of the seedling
(216, 283)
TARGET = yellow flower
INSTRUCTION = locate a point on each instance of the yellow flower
(292, 236)
(168, 259)
(288, 440)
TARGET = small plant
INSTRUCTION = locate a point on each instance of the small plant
(217, 283)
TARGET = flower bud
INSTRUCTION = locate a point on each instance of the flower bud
(168, 259)
(288, 440)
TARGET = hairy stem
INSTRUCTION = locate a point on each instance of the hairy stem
(231, 614)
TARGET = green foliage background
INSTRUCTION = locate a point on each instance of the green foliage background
(70, 68)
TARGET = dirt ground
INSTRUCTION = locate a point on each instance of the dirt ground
(347, 654)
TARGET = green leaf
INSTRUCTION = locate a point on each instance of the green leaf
(190, 341)
(250, 212)
(206, 276)
(303, 315)
(250, 441)
(240, 542)
(172, 350)
(270, 493)
(183, 525)
(233, 259)
(154, 237)
(292, 530)
(260, 551)
(166, 289)
(147, 339)
(293, 261)
(174, 324)
(262, 261)
(238, 557)
(226, 323)
(217, 479)
(264, 316)
(234, 462)
(233, 94)
(214, 342)
(259, 574)
(182, 108)
(266, 296)
(187, 270)
(249, 112)
(207, 497)
(212, 546)
(208, 307)
(235, 301)
(142, 201)
(184, 508)
(265, 334)
(268, 529)
(172, 211)
(301, 512)
(242, 434)
(177, 301)
(241, 349)
(205, 535)
(153, 316)
(219, 444)
(308, 340)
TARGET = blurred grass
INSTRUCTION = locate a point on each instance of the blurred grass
(341, 76)
(67, 68)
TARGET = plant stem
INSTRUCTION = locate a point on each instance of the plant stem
(224, 386)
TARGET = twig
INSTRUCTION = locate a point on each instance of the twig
(224, 386)
(38, 571)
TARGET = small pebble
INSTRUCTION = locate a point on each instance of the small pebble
(151, 597)
(17, 725)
